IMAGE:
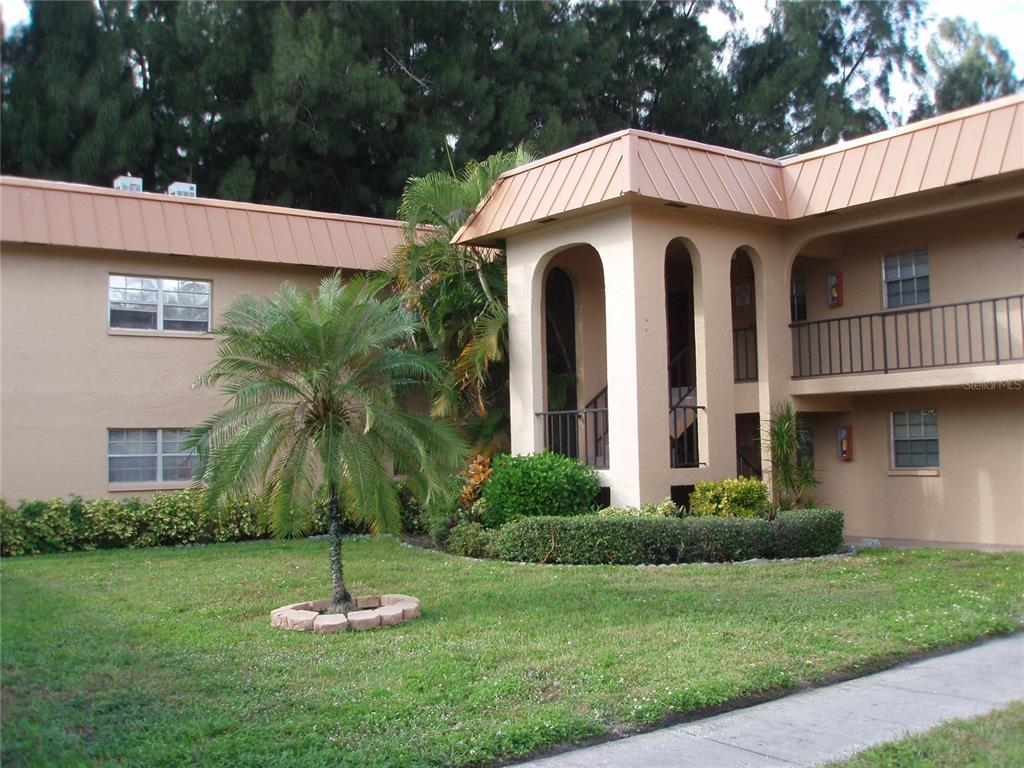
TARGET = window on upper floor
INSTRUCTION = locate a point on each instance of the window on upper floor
(149, 456)
(905, 274)
(159, 304)
(915, 439)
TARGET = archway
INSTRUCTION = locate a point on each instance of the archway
(682, 358)
(744, 317)
(575, 373)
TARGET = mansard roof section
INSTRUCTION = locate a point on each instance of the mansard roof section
(963, 146)
(79, 215)
(968, 145)
(629, 162)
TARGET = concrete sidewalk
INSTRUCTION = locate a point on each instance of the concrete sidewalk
(818, 726)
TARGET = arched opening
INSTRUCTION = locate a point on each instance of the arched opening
(575, 360)
(560, 311)
(682, 356)
(744, 317)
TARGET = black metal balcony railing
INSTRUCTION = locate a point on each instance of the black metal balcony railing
(682, 411)
(581, 434)
(744, 353)
(683, 436)
(961, 333)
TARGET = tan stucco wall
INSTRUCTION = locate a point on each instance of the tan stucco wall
(971, 255)
(977, 494)
(65, 379)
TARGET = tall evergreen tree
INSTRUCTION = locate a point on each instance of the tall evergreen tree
(967, 68)
(821, 72)
(70, 107)
(334, 105)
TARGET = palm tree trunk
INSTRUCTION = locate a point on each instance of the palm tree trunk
(341, 600)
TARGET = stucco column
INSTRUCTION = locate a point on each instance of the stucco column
(713, 332)
(649, 366)
(624, 341)
(526, 348)
(774, 344)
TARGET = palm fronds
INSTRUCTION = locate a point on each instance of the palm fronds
(317, 386)
(459, 294)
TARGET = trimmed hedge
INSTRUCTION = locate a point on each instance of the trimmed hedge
(62, 525)
(594, 540)
(537, 484)
(470, 540)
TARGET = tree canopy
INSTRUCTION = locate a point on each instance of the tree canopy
(334, 105)
(967, 68)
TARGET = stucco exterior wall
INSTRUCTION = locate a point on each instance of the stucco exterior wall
(65, 378)
(977, 494)
(971, 255)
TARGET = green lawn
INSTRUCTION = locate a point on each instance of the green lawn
(166, 657)
(995, 740)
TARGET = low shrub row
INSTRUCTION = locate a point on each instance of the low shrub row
(62, 525)
(39, 527)
(593, 539)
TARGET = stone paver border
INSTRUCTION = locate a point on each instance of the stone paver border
(371, 612)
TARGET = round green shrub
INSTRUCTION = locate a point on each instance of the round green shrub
(470, 540)
(731, 497)
(537, 484)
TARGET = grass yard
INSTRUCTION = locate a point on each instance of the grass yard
(995, 740)
(166, 657)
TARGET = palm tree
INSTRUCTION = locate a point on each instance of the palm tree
(317, 385)
(460, 295)
(789, 445)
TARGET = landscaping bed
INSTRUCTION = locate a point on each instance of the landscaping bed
(164, 656)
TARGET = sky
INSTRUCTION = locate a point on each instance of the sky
(1003, 18)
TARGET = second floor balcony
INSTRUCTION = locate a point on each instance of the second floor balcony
(965, 333)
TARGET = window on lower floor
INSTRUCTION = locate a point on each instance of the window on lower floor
(158, 304)
(915, 439)
(149, 456)
(906, 278)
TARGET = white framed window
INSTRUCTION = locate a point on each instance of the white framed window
(905, 274)
(149, 456)
(915, 439)
(158, 303)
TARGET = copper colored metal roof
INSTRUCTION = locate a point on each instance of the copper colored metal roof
(77, 215)
(983, 141)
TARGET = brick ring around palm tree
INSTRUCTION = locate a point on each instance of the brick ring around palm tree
(371, 612)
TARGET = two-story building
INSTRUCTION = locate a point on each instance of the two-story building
(878, 285)
(107, 299)
(681, 290)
